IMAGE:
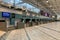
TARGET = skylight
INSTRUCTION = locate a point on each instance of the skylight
(28, 7)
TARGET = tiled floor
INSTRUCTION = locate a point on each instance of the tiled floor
(2, 33)
(49, 31)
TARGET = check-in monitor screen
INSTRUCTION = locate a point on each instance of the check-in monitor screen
(6, 14)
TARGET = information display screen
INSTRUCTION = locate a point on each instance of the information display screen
(6, 14)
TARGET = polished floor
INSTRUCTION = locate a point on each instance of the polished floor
(49, 31)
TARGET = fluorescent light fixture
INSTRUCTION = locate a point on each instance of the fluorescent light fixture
(47, 1)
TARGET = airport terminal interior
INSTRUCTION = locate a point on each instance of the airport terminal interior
(29, 19)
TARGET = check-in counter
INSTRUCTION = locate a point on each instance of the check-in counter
(20, 25)
(3, 25)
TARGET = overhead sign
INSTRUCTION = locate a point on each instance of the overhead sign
(6, 14)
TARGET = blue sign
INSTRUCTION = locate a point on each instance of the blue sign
(6, 14)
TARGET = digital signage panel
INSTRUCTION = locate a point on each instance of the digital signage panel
(6, 14)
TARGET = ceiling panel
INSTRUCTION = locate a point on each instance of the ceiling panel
(51, 5)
